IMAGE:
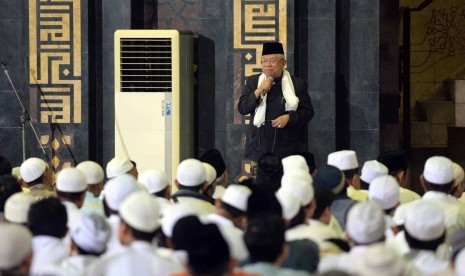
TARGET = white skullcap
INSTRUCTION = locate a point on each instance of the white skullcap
(365, 223)
(17, 207)
(219, 192)
(191, 172)
(458, 173)
(118, 166)
(141, 211)
(92, 170)
(343, 160)
(71, 180)
(379, 260)
(32, 168)
(459, 263)
(118, 188)
(290, 204)
(91, 233)
(385, 191)
(294, 162)
(438, 170)
(299, 183)
(237, 196)
(154, 180)
(210, 173)
(425, 221)
(16, 173)
(15, 245)
(371, 170)
(172, 214)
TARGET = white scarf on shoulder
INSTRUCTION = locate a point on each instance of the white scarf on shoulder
(292, 102)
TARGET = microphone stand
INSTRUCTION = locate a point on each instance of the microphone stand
(53, 125)
(26, 118)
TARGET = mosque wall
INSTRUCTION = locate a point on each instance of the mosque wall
(334, 45)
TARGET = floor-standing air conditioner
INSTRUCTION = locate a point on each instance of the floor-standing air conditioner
(154, 98)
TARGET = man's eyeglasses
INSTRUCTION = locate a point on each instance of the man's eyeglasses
(272, 61)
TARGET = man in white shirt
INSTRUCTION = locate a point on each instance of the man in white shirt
(157, 184)
(425, 231)
(47, 221)
(94, 176)
(365, 227)
(115, 191)
(89, 237)
(437, 180)
(15, 249)
(191, 180)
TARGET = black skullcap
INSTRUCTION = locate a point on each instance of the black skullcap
(393, 160)
(214, 158)
(204, 243)
(269, 171)
(270, 48)
(269, 164)
(330, 177)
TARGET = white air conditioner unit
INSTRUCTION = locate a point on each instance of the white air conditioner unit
(154, 103)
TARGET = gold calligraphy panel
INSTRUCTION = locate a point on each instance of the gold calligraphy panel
(55, 59)
(55, 76)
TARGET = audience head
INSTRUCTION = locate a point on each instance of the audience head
(269, 172)
(438, 174)
(71, 186)
(214, 158)
(15, 249)
(48, 217)
(207, 250)
(365, 223)
(155, 181)
(8, 186)
(119, 165)
(140, 215)
(385, 191)
(191, 175)
(294, 162)
(331, 178)
(117, 189)
(371, 170)
(90, 234)
(425, 226)
(264, 238)
(35, 171)
(17, 208)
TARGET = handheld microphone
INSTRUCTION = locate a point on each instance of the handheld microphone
(271, 80)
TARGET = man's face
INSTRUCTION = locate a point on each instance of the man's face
(273, 65)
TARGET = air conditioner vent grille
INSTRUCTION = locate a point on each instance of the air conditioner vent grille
(146, 65)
